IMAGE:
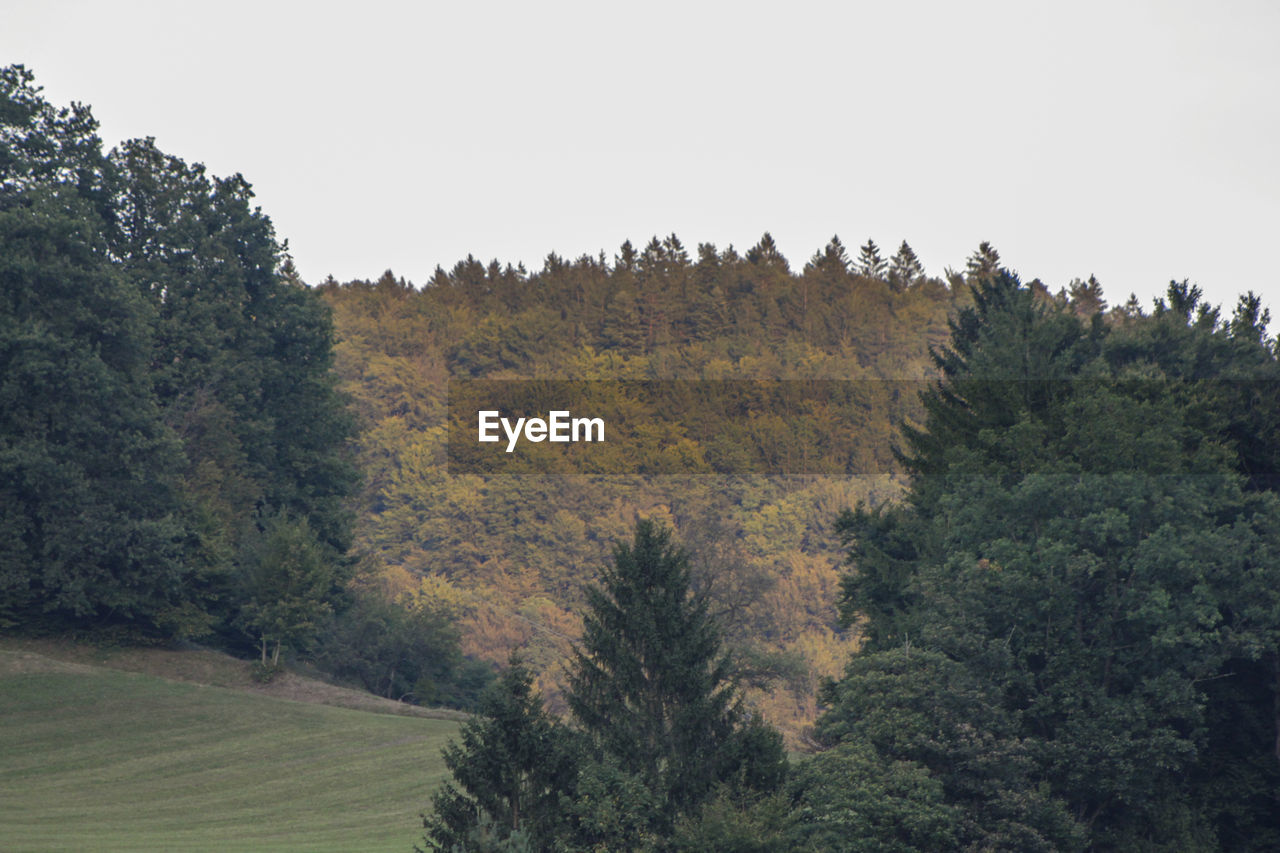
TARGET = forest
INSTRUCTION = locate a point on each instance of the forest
(1022, 592)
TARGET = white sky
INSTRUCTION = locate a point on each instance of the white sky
(1135, 141)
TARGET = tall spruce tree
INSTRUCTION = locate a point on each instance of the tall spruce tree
(870, 264)
(651, 685)
(905, 268)
(511, 769)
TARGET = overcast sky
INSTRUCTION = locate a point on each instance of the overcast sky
(1137, 142)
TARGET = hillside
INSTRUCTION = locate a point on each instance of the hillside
(511, 555)
(102, 758)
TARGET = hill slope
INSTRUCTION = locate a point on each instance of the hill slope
(95, 757)
(511, 555)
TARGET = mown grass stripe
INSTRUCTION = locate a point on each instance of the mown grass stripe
(109, 760)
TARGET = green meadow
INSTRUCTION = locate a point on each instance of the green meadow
(95, 758)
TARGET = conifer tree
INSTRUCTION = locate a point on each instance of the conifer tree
(905, 268)
(832, 259)
(982, 264)
(626, 258)
(766, 254)
(1078, 543)
(511, 769)
(1085, 297)
(651, 685)
(870, 264)
(623, 329)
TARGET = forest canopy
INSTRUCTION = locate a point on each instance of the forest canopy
(1004, 559)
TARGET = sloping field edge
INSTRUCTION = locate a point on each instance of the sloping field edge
(198, 666)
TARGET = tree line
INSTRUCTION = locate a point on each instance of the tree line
(1070, 623)
(510, 555)
(174, 456)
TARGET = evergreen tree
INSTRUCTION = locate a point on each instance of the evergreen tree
(510, 771)
(766, 254)
(832, 259)
(1085, 297)
(905, 268)
(623, 329)
(870, 264)
(651, 687)
(1078, 543)
(626, 259)
(983, 264)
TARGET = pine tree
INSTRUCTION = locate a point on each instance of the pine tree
(650, 684)
(626, 259)
(870, 264)
(1085, 297)
(509, 773)
(833, 259)
(982, 264)
(905, 268)
(766, 254)
(623, 328)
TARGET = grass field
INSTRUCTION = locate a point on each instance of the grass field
(96, 758)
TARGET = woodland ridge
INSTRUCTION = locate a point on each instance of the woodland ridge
(1031, 603)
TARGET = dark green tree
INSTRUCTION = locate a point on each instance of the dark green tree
(167, 366)
(510, 771)
(93, 531)
(287, 585)
(651, 685)
(241, 362)
(1078, 542)
(403, 653)
(243, 349)
(945, 766)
